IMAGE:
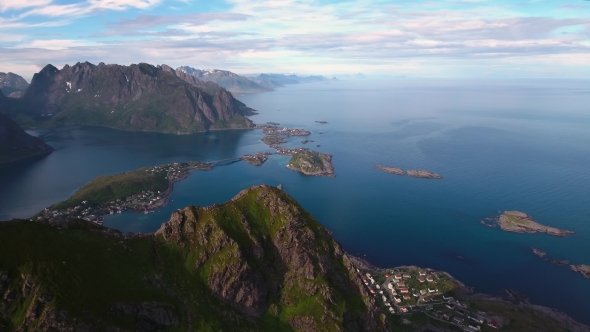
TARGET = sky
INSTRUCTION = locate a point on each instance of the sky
(443, 38)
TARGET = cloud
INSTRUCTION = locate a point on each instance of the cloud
(21, 4)
(285, 34)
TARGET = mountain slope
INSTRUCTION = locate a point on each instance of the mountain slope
(256, 263)
(230, 81)
(15, 143)
(12, 84)
(136, 97)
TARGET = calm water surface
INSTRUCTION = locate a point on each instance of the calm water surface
(522, 145)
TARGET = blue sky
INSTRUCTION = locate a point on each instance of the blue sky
(445, 38)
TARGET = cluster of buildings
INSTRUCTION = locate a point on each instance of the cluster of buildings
(409, 290)
(274, 130)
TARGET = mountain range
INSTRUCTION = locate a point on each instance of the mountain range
(12, 85)
(280, 80)
(226, 79)
(256, 263)
(139, 97)
(15, 143)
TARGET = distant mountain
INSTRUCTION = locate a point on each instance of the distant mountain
(15, 143)
(230, 81)
(12, 85)
(279, 80)
(138, 97)
(352, 76)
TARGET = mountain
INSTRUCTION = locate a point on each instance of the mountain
(352, 76)
(15, 143)
(138, 97)
(279, 80)
(12, 85)
(256, 263)
(232, 82)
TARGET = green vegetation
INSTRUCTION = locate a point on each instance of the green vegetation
(191, 271)
(273, 139)
(311, 162)
(105, 189)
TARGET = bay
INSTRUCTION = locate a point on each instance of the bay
(499, 145)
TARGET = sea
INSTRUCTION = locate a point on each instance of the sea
(499, 145)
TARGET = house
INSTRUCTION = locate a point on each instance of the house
(447, 298)
(380, 292)
(423, 292)
(384, 298)
(445, 317)
(421, 279)
(391, 310)
(450, 306)
(416, 295)
(397, 299)
(401, 284)
(458, 320)
(378, 287)
(475, 328)
(387, 275)
(431, 290)
(407, 275)
(390, 286)
(403, 309)
(397, 276)
(429, 279)
(404, 290)
(368, 275)
(406, 297)
(372, 291)
(422, 273)
(474, 318)
(393, 292)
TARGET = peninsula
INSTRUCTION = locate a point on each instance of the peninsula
(193, 272)
(142, 190)
(412, 173)
(519, 222)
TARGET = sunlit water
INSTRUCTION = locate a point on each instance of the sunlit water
(519, 145)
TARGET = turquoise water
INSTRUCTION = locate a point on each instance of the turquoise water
(521, 145)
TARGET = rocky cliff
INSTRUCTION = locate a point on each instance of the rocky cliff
(12, 85)
(256, 263)
(230, 81)
(136, 97)
(15, 143)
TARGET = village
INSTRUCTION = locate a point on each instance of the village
(411, 291)
(272, 128)
(145, 201)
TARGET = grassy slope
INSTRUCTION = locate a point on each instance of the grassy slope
(308, 161)
(88, 270)
(107, 188)
(263, 226)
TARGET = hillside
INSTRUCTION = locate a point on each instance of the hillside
(226, 79)
(15, 143)
(137, 97)
(256, 263)
(12, 85)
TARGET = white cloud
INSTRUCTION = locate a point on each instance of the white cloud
(21, 4)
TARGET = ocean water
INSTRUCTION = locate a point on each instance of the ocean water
(500, 145)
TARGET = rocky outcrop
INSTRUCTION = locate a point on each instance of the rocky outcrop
(272, 257)
(16, 144)
(583, 269)
(12, 85)
(519, 222)
(136, 97)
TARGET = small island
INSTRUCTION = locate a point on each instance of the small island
(273, 140)
(322, 122)
(309, 162)
(256, 159)
(274, 130)
(583, 269)
(519, 222)
(413, 173)
(390, 170)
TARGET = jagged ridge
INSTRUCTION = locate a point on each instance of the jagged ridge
(136, 97)
(256, 263)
